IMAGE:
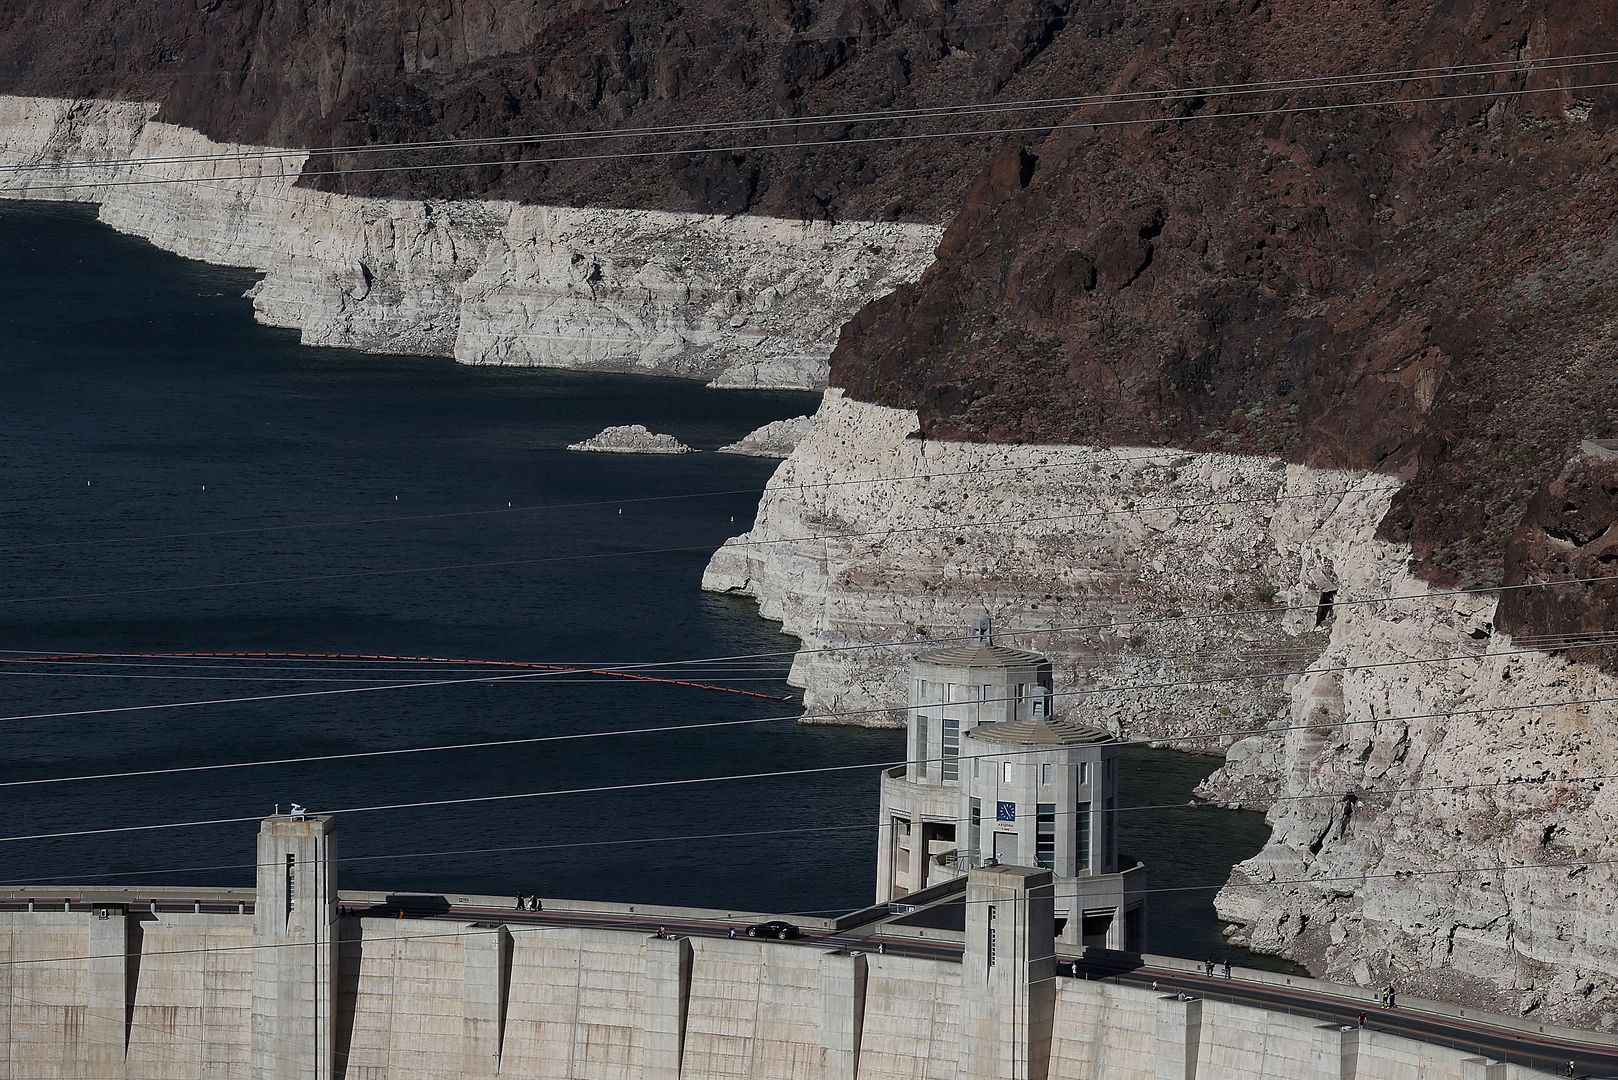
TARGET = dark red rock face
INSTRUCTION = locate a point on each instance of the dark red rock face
(328, 73)
(1570, 533)
(1427, 289)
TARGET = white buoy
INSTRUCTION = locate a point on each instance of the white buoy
(508, 504)
(620, 509)
(204, 487)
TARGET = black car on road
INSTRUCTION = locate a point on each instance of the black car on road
(776, 928)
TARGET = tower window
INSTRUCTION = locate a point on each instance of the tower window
(921, 745)
(990, 949)
(952, 749)
(1082, 820)
(975, 829)
(1045, 835)
(1005, 772)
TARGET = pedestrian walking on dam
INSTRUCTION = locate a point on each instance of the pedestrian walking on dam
(522, 901)
(1362, 1018)
(1208, 966)
(1227, 968)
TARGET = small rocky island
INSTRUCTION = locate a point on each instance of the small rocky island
(631, 439)
(776, 440)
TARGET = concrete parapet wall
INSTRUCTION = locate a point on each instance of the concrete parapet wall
(437, 998)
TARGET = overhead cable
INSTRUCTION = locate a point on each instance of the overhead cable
(1040, 129)
(1347, 80)
(685, 781)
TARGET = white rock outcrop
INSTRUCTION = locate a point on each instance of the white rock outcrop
(743, 302)
(866, 535)
(1428, 782)
(773, 440)
(630, 439)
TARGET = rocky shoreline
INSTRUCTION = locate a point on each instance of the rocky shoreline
(740, 302)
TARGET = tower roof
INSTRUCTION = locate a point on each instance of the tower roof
(1041, 731)
(983, 656)
(979, 650)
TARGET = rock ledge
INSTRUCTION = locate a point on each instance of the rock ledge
(775, 440)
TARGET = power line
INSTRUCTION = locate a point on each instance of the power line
(1041, 129)
(670, 729)
(1155, 620)
(866, 826)
(692, 781)
(1346, 80)
(354, 665)
(368, 680)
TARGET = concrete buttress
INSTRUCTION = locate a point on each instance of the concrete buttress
(487, 972)
(108, 1012)
(295, 950)
(843, 1015)
(668, 1000)
(1008, 973)
(1179, 1035)
(1335, 1052)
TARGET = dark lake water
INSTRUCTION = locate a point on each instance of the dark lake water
(143, 410)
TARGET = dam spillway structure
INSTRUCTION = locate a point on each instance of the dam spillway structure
(994, 777)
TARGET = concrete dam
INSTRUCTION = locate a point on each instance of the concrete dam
(294, 979)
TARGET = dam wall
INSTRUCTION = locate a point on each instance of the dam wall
(418, 999)
(237, 985)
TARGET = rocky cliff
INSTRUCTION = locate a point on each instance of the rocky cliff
(749, 302)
